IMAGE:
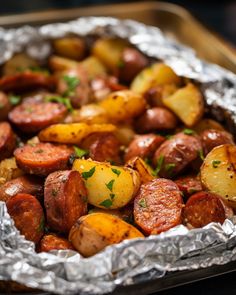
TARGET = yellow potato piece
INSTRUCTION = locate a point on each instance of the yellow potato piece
(108, 186)
(144, 170)
(187, 103)
(93, 232)
(9, 170)
(72, 133)
(218, 172)
(123, 105)
(93, 67)
(60, 64)
(157, 74)
(70, 47)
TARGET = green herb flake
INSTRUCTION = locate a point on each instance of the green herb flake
(64, 100)
(169, 168)
(168, 136)
(29, 110)
(120, 64)
(14, 99)
(188, 131)
(39, 70)
(54, 192)
(116, 171)
(109, 185)
(200, 152)
(192, 191)
(41, 225)
(106, 203)
(142, 203)
(88, 174)
(80, 152)
(159, 165)
(112, 196)
(39, 151)
(72, 83)
(215, 163)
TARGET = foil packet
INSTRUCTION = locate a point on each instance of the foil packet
(138, 260)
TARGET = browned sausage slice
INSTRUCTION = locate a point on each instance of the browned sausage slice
(189, 185)
(175, 154)
(103, 147)
(26, 81)
(24, 184)
(5, 106)
(203, 208)
(157, 118)
(42, 158)
(212, 138)
(53, 242)
(7, 140)
(158, 206)
(143, 146)
(65, 199)
(28, 216)
(33, 117)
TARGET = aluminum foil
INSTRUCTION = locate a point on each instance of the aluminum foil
(66, 272)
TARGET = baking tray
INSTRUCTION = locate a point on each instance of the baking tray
(179, 24)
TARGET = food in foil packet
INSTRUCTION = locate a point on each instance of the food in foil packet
(117, 143)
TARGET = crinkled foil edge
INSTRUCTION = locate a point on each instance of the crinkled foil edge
(66, 272)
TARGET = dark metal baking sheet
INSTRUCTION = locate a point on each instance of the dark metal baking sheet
(180, 25)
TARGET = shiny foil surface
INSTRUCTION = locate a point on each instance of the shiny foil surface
(138, 260)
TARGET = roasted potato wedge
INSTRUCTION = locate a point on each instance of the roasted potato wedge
(70, 47)
(60, 64)
(206, 124)
(93, 67)
(145, 171)
(218, 172)
(187, 103)
(108, 186)
(9, 170)
(93, 232)
(123, 105)
(156, 74)
(109, 52)
(125, 134)
(72, 133)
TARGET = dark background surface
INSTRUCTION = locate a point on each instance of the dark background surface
(219, 16)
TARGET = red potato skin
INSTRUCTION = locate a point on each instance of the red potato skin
(189, 185)
(7, 140)
(103, 147)
(132, 62)
(212, 138)
(203, 208)
(157, 118)
(65, 199)
(42, 158)
(28, 216)
(143, 146)
(26, 81)
(158, 206)
(53, 242)
(5, 106)
(31, 117)
(180, 150)
(24, 184)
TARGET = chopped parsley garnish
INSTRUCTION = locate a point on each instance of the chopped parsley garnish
(200, 152)
(168, 136)
(29, 110)
(38, 69)
(109, 185)
(72, 83)
(215, 163)
(14, 99)
(159, 165)
(54, 192)
(169, 168)
(64, 100)
(142, 203)
(80, 152)
(120, 64)
(188, 131)
(112, 196)
(88, 174)
(116, 171)
(106, 203)
(41, 225)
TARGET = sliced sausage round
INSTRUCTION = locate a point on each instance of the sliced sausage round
(132, 62)
(26, 81)
(5, 106)
(157, 118)
(32, 117)
(203, 208)
(7, 140)
(42, 158)
(212, 138)
(103, 147)
(53, 242)
(143, 146)
(158, 206)
(27, 184)
(65, 199)
(28, 216)
(189, 185)
(175, 154)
